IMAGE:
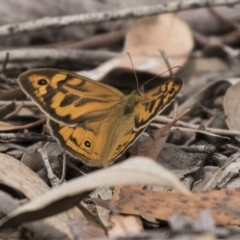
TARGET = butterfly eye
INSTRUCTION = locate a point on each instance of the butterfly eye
(42, 82)
(119, 146)
(171, 90)
(87, 144)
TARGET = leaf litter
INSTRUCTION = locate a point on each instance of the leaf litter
(200, 197)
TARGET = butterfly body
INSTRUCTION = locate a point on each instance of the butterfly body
(94, 121)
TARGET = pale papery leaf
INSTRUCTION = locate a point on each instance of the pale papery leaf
(15, 174)
(9, 127)
(231, 104)
(143, 41)
(136, 170)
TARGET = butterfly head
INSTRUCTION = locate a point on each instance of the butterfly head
(140, 90)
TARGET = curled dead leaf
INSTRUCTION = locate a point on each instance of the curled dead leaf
(15, 174)
(137, 170)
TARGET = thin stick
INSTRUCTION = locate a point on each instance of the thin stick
(25, 137)
(137, 12)
(224, 132)
(80, 56)
(51, 176)
(19, 103)
(64, 163)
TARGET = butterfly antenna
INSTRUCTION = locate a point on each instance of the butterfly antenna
(169, 70)
(134, 72)
(165, 58)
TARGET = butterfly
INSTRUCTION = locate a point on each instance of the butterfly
(92, 121)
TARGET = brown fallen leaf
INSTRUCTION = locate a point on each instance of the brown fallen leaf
(231, 104)
(18, 176)
(143, 41)
(224, 204)
(137, 170)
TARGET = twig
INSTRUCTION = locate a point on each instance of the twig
(55, 181)
(19, 103)
(29, 125)
(224, 132)
(64, 163)
(208, 148)
(92, 42)
(30, 136)
(56, 22)
(80, 56)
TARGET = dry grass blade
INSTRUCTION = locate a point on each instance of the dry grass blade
(137, 170)
(34, 124)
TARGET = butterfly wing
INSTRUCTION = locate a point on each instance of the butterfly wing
(143, 112)
(96, 144)
(91, 120)
(67, 97)
(155, 100)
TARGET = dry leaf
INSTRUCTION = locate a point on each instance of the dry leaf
(143, 41)
(137, 170)
(224, 204)
(16, 175)
(231, 106)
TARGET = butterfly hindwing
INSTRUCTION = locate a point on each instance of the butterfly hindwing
(83, 141)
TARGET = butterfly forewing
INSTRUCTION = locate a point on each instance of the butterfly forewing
(155, 100)
(67, 97)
